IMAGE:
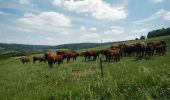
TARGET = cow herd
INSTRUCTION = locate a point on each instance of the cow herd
(114, 53)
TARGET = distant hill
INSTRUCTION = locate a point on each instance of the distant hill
(45, 48)
(10, 50)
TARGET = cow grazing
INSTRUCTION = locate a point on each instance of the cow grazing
(68, 54)
(129, 49)
(52, 58)
(144, 49)
(157, 45)
(160, 49)
(40, 59)
(111, 54)
(90, 53)
(115, 46)
(120, 47)
(140, 49)
(25, 60)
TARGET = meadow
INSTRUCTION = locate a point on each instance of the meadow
(128, 79)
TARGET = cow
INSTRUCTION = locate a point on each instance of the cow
(151, 46)
(144, 49)
(90, 53)
(68, 54)
(129, 49)
(140, 49)
(115, 46)
(111, 54)
(156, 46)
(40, 59)
(120, 47)
(52, 58)
(160, 49)
(25, 59)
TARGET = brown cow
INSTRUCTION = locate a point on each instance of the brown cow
(160, 49)
(40, 59)
(144, 49)
(90, 53)
(68, 54)
(140, 49)
(25, 60)
(129, 49)
(111, 54)
(52, 58)
(156, 45)
(120, 47)
(115, 46)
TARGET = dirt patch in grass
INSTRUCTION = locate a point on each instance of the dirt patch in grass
(19, 57)
(83, 71)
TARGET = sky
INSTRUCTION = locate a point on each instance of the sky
(55, 22)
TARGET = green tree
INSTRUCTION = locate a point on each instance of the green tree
(142, 37)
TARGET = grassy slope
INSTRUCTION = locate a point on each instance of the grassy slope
(107, 45)
(127, 79)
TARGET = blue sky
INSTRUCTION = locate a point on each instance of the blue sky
(54, 22)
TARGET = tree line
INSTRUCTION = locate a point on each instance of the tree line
(159, 32)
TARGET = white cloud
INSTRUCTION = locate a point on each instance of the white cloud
(87, 34)
(129, 37)
(114, 30)
(90, 36)
(139, 30)
(46, 19)
(156, 1)
(99, 9)
(93, 29)
(51, 40)
(57, 2)
(167, 16)
(25, 2)
(159, 14)
(23, 29)
(83, 28)
(3, 13)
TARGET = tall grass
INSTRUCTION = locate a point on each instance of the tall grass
(127, 79)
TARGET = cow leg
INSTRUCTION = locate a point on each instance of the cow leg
(59, 62)
(106, 58)
(164, 50)
(68, 59)
(118, 57)
(110, 59)
(89, 57)
(85, 58)
(50, 64)
(93, 57)
(33, 60)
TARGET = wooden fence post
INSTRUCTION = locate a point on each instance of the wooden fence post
(101, 67)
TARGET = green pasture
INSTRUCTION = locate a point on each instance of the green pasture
(128, 79)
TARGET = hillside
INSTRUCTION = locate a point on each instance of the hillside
(8, 50)
(127, 79)
(44, 48)
(107, 45)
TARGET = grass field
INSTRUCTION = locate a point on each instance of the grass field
(127, 79)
